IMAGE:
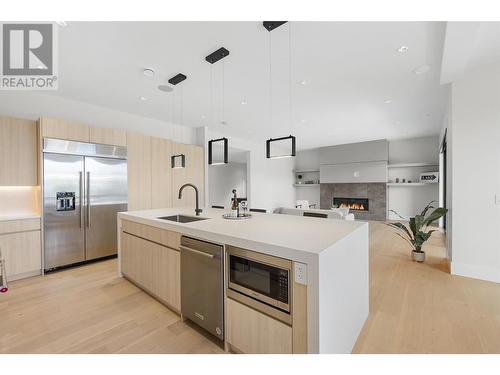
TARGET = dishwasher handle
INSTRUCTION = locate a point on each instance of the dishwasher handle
(198, 252)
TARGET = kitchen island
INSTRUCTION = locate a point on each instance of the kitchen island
(329, 257)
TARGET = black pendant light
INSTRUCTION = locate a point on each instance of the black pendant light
(212, 59)
(211, 143)
(270, 26)
(178, 161)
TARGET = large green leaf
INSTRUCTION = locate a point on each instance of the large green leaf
(413, 227)
(401, 227)
(435, 215)
(419, 222)
(429, 206)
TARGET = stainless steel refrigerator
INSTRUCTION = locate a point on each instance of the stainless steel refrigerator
(84, 187)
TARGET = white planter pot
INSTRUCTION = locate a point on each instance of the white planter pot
(418, 256)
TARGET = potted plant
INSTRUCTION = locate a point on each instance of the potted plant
(416, 233)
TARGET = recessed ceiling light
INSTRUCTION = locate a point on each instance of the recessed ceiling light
(388, 101)
(203, 117)
(422, 69)
(143, 98)
(165, 88)
(62, 23)
(148, 72)
(403, 49)
(244, 102)
(303, 82)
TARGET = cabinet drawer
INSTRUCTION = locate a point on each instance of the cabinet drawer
(255, 333)
(160, 236)
(22, 254)
(23, 225)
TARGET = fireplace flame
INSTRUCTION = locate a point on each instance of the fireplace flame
(353, 206)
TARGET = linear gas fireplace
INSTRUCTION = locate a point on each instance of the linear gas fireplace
(354, 204)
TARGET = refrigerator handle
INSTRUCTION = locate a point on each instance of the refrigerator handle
(88, 199)
(80, 198)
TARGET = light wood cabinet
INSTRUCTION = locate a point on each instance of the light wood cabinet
(193, 173)
(161, 173)
(108, 136)
(139, 171)
(18, 152)
(252, 332)
(61, 129)
(151, 265)
(21, 248)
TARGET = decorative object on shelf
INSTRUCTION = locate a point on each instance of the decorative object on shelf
(417, 233)
(403, 180)
(299, 176)
(429, 177)
(270, 26)
(397, 180)
(225, 151)
(178, 161)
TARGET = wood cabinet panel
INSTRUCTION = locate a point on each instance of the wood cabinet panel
(22, 254)
(18, 152)
(61, 129)
(167, 276)
(139, 171)
(108, 136)
(153, 267)
(255, 333)
(137, 260)
(193, 173)
(161, 173)
(299, 318)
(147, 232)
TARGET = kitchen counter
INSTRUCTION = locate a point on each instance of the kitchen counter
(24, 216)
(287, 236)
(335, 253)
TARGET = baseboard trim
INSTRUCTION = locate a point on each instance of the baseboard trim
(476, 272)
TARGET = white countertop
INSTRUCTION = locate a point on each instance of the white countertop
(269, 232)
(19, 217)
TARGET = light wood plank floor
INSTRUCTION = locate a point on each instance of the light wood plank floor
(414, 308)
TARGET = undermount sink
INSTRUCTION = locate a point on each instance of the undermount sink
(182, 218)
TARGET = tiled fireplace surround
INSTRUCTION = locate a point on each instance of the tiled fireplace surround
(375, 192)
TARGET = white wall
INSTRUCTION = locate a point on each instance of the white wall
(408, 201)
(270, 181)
(222, 179)
(32, 105)
(308, 160)
(475, 153)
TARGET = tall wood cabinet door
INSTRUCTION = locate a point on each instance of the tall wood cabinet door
(167, 276)
(18, 152)
(138, 258)
(139, 171)
(161, 173)
(108, 136)
(61, 129)
(193, 173)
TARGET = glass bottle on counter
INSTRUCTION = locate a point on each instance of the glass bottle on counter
(234, 205)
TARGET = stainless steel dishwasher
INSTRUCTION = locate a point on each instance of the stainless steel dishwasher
(202, 284)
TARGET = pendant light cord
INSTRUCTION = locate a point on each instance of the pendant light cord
(290, 72)
(223, 92)
(270, 86)
(212, 95)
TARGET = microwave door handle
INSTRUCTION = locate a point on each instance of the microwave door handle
(197, 252)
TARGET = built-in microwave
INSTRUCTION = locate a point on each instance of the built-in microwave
(259, 280)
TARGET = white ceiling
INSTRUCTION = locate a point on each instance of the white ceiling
(468, 46)
(351, 69)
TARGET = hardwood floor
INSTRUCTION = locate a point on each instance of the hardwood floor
(414, 308)
(421, 308)
(90, 310)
